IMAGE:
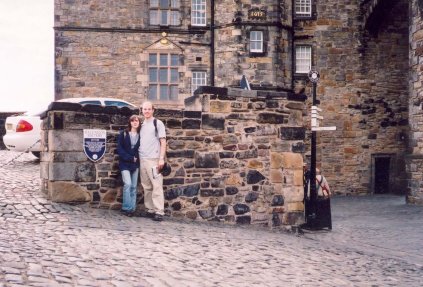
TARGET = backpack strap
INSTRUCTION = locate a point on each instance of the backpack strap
(155, 127)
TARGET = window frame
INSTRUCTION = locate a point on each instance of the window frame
(167, 79)
(203, 12)
(260, 41)
(194, 86)
(310, 59)
(305, 16)
(170, 10)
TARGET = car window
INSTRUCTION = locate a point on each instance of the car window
(91, 102)
(117, 104)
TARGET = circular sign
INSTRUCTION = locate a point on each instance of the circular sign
(314, 76)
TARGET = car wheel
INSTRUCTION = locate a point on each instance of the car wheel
(36, 153)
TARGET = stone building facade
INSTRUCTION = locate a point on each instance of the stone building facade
(360, 47)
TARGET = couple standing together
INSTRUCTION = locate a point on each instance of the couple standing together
(141, 149)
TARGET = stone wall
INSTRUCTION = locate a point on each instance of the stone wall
(235, 157)
(415, 159)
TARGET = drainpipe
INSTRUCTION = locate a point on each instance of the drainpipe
(212, 9)
(292, 44)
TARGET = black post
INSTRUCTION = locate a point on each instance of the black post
(312, 181)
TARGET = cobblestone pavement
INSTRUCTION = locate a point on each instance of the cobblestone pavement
(375, 241)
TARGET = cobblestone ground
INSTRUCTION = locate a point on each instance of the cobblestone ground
(375, 241)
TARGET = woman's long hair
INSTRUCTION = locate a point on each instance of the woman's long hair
(129, 127)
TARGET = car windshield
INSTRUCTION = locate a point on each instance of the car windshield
(117, 104)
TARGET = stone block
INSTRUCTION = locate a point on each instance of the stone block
(240, 208)
(270, 118)
(44, 170)
(286, 160)
(243, 219)
(191, 214)
(252, 153)
(276, 176)
(191, 124)
(212, 192)
(231, 190)
(85, 172)
(251, 196)
(298, 177)
(222, 209)
(293, 193)
(294, 206)
(206, 160)
(62, 171)
(255, 164)
(278, 200)
(292, 133)
(254, 177)
(213, 122)
(220, 107)
(62, 191)
(68, 156)
(65, 140)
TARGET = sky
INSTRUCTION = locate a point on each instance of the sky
(26, 54)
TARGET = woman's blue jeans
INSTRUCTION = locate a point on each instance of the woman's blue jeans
(130, 181)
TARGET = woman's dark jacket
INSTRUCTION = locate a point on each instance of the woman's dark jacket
(126, 153)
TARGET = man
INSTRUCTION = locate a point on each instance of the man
(152, 151)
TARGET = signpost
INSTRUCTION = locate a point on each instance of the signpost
(317, 212)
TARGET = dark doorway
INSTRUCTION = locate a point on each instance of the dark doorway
(381, 176)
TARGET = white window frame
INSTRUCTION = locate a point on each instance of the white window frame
(303, 8)
(303, 58)
(256, 41)
(198, 12)
(165, 14)
(169, 70)
(199, 78)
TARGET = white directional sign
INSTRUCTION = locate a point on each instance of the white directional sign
(333, 128)
(315, 117)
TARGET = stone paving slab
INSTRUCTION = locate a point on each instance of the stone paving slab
(375, 241)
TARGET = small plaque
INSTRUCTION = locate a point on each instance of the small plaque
(94, 144)
(257, 14)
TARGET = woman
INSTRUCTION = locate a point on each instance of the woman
(128, 144)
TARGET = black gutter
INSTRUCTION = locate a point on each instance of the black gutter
(129, 30)
(212, 28)
(292, 45)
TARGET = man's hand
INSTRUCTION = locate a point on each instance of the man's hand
(161, 164)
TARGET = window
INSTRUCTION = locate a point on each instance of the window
(198, 12)
(256, 41)
(302, 59)
(303, 8)
(117, 104)
(163, 77)
(165, 12)
(198, 79)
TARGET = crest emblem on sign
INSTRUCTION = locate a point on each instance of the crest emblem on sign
(94, 144)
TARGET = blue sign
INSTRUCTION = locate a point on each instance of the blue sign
(94, 144)
(244, 83)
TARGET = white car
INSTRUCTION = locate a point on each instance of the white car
(23, 132)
